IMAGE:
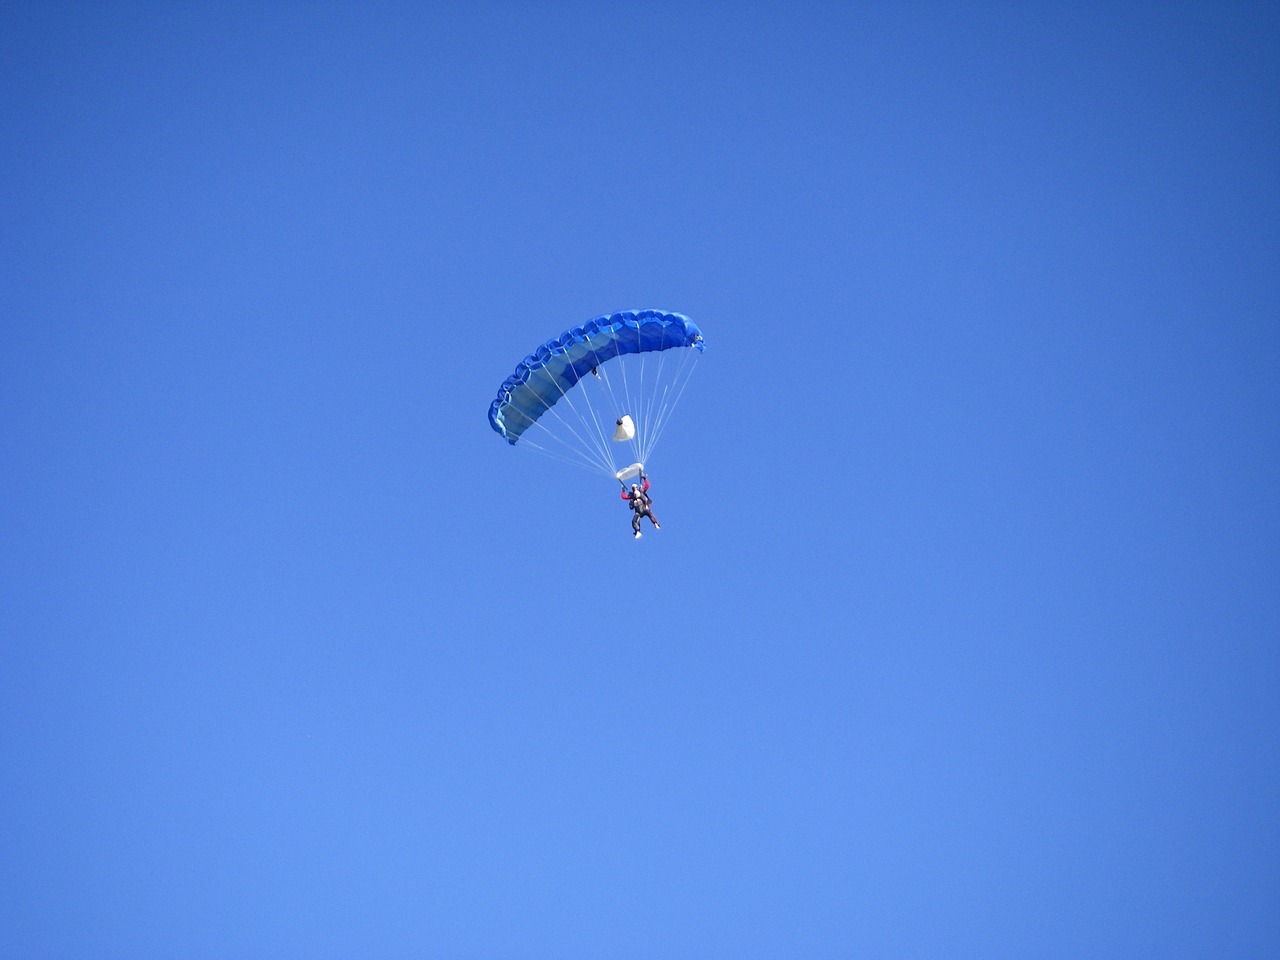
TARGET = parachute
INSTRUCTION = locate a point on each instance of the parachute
(606, 387)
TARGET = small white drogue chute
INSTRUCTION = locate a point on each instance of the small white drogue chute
(626, 429)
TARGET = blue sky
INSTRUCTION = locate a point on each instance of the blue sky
(960, 635)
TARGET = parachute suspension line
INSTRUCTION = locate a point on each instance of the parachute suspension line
(597, 445)
(643, 393)
(580, 450)
(651, 397)
(688, 363)
(642, 401)
(645, 399)
(626, 389)
(666, 402)
(679, 382)
(651, 400)
(601, 439)
(601, 434)
(603, 376)
(638, 398)
(648, 388)
(618, 408)
(580, 460)
(588, 446)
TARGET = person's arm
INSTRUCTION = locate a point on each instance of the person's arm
(646, 484)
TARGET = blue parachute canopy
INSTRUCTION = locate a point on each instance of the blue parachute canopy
(545, 375)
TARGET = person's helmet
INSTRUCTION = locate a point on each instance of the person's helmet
(635, 486)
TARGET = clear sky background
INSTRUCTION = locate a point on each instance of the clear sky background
(960, 636)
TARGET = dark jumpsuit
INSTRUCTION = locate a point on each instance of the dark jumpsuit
(640, 504)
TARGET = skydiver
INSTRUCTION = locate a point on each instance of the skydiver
(640, 502)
